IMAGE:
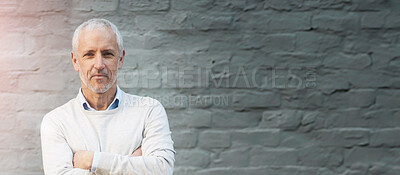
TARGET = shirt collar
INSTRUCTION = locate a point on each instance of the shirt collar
(114, 104)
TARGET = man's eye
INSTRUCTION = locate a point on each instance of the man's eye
(88, 55)
(108, 55)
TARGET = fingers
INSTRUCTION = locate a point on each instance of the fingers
(83, 159)
(137, 152)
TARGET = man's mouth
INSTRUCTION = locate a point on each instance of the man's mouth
(99, 76)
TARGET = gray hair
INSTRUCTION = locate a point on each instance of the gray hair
(96, 24)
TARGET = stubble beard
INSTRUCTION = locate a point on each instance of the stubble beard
(100, 90)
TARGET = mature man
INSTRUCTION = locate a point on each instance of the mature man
(105, 130)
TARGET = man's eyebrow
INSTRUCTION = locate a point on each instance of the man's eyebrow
(107, 50)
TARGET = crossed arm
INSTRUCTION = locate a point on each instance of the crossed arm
(59, 159)
(83, 159)
(157, 153)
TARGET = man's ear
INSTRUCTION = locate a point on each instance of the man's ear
(74, 61)
(121, 60)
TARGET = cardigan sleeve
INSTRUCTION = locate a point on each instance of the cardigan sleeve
(56, 153)
(157, 149)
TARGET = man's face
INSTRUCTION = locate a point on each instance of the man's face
(97, 60)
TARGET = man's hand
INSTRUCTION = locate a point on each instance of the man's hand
(137, 152)
(83, 159)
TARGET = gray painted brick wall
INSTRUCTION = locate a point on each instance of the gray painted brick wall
(283, 87)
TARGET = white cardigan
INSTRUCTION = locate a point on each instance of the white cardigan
(115, 134)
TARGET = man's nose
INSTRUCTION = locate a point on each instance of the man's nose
(99, 62)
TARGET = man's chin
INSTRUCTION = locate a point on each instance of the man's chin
(99, 89)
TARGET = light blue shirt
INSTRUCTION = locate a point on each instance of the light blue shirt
(87, 106)
(114, 104)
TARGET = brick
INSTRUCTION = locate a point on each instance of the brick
(192, 158)
(17, 26)
(285, 120)
(303, 98)
(381, 118)
(33, 82)
(182, 170)
(369, 79)
(12, 161)
(359, 61)
(388, 98)
(378, 168)
(34, 8)
(237, 6)
(276, 157)
(257, 137)
(283, 4)
(373, 20)
(232, 158)
(368, 5)
(55, 42)
(279, 43)
(348, 118)
(20, 140)
(174, 21)
(184, 41)
(332, 80)
(7, 123)
(290, 139)
(150, 77)
(354, 98)
(210, 22)
(43, 102)
(8, 80)
(253, 21)
(29, 121)
(232, 119)
(363, 155)
(12, 43)
(385, 137)
(336, 22)
(235, 171)
(7, 7)
(332, 4)
(252, 41)
(164, 21)
(295, 59)
(32, 160)
(132, 40)
(313, 42)
(145, 5)
(59, 25)
(392, 21)
(214, 139)
(230, 42)
(294, 21)
(184, 138)
(256, 99)
(312, 121)
(191, 5)
(343, 137)
(317, 156)
(96, 5)
(190, 118)
(357, 44)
